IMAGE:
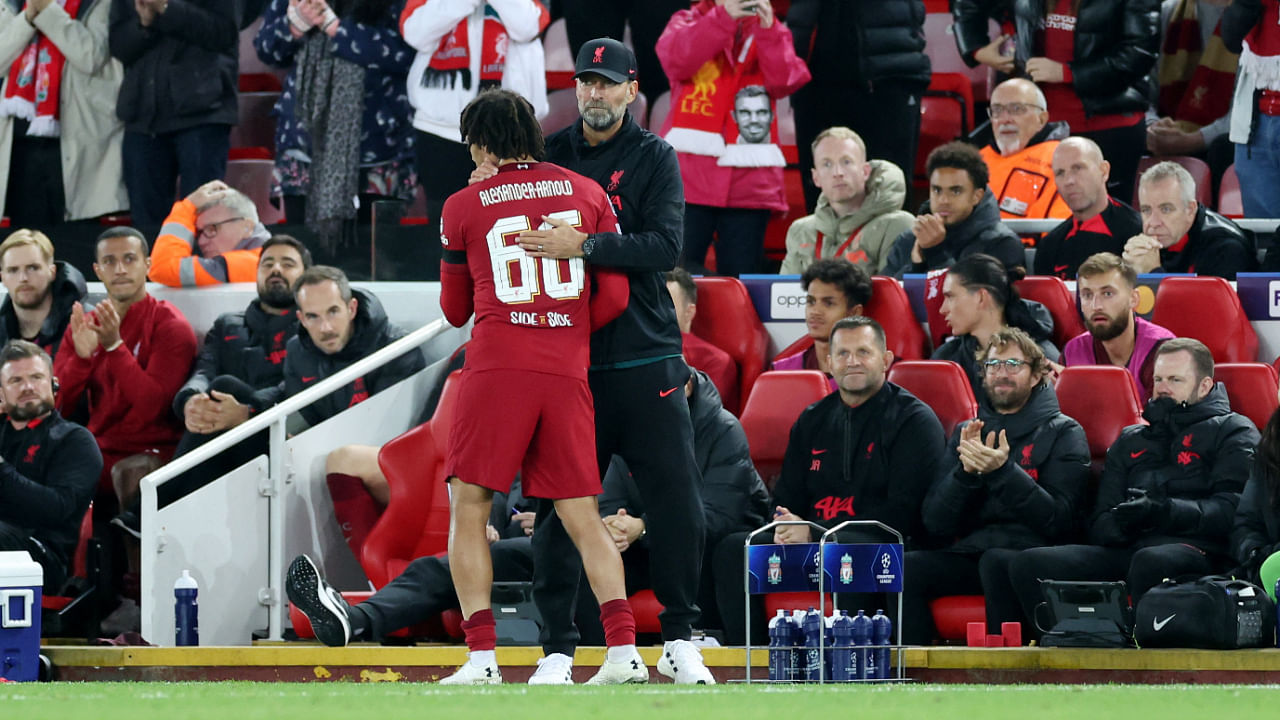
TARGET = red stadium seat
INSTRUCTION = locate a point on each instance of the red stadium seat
(1061, 304)
(953, 613)
(1207, 309)
(645, 607)
(775, 234)
(1229, 200)
(1080, 389)
(1198, 168)
(416, 521)
(727, 319)
(1252, 388)
(941, 121)
(940, 384)
(777, 400)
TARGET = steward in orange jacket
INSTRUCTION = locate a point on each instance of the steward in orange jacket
(211, 237)
(1023, 182)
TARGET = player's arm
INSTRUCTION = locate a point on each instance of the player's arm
(610, 289)
(457, 295)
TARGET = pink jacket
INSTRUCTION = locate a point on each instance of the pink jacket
(1148, 336)
(691, 38)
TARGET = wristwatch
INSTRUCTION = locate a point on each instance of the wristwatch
(588, 246)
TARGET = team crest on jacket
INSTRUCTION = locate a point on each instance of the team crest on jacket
(614, 179)
(1026, 455)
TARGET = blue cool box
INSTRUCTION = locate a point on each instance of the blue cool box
(21, 579)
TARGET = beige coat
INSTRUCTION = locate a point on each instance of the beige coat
(92, 169)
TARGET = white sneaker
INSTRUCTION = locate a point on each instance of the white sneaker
(625, 672)
(554, 669)
(470, 674)
(682, 662)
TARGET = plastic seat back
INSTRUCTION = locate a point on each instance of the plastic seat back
(1207, 309)
(940, 384)
(1104, 400)
(1052, 292)
(890, 307)
(777, 400)
(727, 319)
(1252, 389)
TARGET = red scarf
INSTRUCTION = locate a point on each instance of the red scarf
(454, 54)
(1195, 86)
(35, 81)
(702, 121)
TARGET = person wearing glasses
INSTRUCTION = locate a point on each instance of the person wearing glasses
(211, 237)
(1168, 494)
(1017, 480)
(1020, 155)
(978, 299)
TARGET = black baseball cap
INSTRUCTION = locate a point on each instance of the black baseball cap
(607, 57)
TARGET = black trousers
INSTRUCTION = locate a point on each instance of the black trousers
(1123, 148)
(886, 118)
(586, 20)
(153, 165)
(1140, 569)
(36, 198)
(738, 235)
(729, 572)
(443, 169)
(930, 574)
(652, 433)
(222, 463)
(14, 538)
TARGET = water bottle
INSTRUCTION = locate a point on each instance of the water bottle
(861, 641)
(828, 637)
(799, 658)
(842, 667)
(881, 637)
(814, 627)
(779, 647)
(185, 611)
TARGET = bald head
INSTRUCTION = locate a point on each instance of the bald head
(1018, 112)
(1081, 174)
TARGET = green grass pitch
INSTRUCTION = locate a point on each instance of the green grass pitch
(351, 701)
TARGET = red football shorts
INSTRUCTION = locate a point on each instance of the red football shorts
(540, 424)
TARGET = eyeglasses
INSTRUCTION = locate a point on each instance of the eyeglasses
(212, 228)
(1014, 109)
(1008, 367)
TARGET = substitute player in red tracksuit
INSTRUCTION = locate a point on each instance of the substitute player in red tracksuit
(524, 403)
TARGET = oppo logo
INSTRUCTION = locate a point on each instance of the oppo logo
(786, 301)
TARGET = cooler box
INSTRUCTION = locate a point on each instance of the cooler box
(21, 579)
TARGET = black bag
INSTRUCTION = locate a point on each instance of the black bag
(1211, 613)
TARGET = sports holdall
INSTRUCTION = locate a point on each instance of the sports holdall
(1212, 613)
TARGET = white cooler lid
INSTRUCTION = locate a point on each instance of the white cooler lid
(17, 569)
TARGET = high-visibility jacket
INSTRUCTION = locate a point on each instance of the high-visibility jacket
(1023, 182)
(174, 261)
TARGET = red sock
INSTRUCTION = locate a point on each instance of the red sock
(355, 508)
(480, 631)
(619, 624)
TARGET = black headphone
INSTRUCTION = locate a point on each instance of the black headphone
(55, 385)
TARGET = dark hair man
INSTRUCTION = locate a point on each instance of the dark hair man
(1180, 236)
(1168, 492)
(1017, 480)
(1098, 222)
(40, 291)
(532, 333)
(49, 466)
(210, 237)
(833, 289)
(636, 363)
(337, 325)
(963, 218)
(869, 451)
(1108, 290)
(700, 354)
(129, 356)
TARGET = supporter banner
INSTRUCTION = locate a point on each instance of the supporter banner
(849, 567)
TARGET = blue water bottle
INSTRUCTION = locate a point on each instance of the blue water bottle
(861, 641)
(779, 647)
(799, 658)
(842, 668)
(186, 611)
(881, 637)
(813, 629)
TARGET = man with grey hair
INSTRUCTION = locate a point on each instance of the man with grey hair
(210, 237)
(1181, 236)
(1020, 154)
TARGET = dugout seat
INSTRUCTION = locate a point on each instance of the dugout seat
(727, 319)
(1079, 389)
(778, 399)
(940, 384)
(1252, 388)
(77, 611)
(1052, 292)
(1207, 309)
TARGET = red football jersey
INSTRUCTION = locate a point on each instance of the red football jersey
(531, 313)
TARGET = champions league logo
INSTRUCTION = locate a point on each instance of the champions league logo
(884, 577)
(775, 569)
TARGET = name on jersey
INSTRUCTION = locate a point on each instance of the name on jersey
(526, 191)
(551, 319)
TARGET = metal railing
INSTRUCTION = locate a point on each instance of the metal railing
(273, 420)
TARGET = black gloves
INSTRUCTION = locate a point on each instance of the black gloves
(1142, 512)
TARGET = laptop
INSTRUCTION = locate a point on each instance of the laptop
(1086, 614)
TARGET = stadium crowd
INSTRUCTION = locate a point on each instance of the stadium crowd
(123, 114)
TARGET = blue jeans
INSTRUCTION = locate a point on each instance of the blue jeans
(153, 164)
(1258, 166)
